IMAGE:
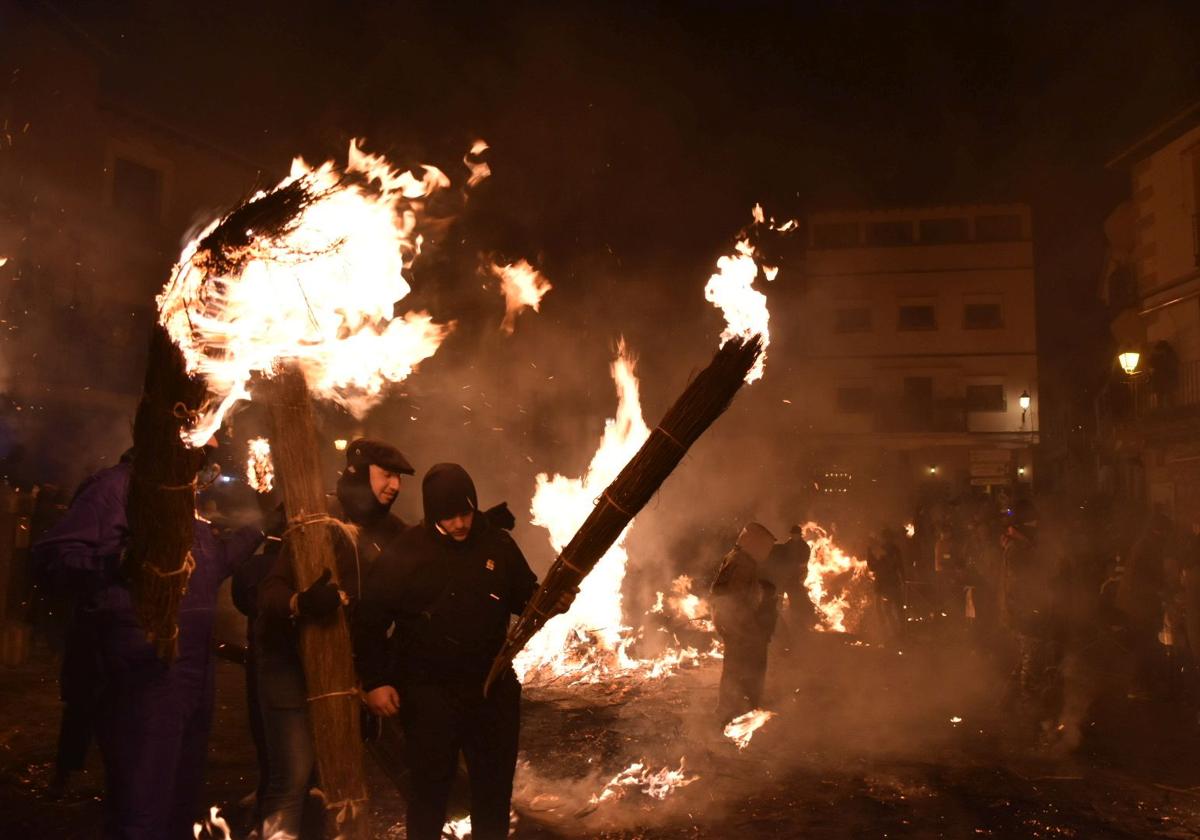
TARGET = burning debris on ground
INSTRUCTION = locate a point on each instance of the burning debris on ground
(830, 470)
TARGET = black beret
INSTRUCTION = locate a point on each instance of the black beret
(364, 451)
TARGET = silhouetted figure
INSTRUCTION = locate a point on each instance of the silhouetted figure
(744, 612)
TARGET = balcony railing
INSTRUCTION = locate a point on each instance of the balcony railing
(1182, 395)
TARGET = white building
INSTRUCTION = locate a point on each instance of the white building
(916, 344)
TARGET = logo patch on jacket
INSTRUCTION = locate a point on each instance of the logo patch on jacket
(491, 565)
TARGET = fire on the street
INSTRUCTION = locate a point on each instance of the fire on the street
(638, 777)
(591, 641)
(838, 583)
(742, 728)
(260, 470)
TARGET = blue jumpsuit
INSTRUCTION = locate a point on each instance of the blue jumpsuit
(153, 720)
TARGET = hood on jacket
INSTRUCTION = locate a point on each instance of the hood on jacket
(446, 491)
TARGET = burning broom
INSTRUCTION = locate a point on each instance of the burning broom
(298, 286)
(739, 361)
(702, 402)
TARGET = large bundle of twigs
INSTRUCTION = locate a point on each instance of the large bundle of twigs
(704, 400)
(161, 504)
(333, 704)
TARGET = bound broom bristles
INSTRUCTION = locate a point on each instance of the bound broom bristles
(704, 400)
(332, 686)
(161, 505)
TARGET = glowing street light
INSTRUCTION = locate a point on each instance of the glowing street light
(1129, 361)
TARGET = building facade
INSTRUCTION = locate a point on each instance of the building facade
(918, 351)
(96, 198)
(1152, 286)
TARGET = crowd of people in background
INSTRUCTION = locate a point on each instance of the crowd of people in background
(1068, 603)
(1061, 597)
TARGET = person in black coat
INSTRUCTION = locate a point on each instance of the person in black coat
(366, 490)
(448, 587)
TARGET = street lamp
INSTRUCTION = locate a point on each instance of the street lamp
(1129, 361)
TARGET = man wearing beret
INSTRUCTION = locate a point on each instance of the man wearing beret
(365, 492)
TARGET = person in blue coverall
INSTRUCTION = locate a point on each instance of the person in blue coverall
(152, 720)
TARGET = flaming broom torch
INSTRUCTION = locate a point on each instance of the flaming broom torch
(299, 285)
(704, 400)
(739, 361)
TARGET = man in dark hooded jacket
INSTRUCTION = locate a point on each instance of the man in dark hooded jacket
(152, 720)
(448, 585)
(366, 490)
(744, 613)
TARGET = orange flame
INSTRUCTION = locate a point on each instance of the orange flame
(522, 286)
(684, 604)
(320, 294)
(838, 583)
(638, 777)
(260, 469)
(473, 160)
(732, 291)
(214, 823)
(742, 728)
(591, 642)
(590, 639)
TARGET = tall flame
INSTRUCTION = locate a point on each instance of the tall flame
(320, 291)
(838, 583)
(260, 469)
(560, 505)
(522, 286)
(731, 289)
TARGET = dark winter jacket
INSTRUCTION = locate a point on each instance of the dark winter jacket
(744, 609)
(450, 603)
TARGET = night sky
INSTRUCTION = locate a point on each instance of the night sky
(630, 140)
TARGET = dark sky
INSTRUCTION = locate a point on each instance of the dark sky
(641, 133)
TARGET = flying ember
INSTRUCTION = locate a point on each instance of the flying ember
(742, 728)
(310, 273)
(260, 470)
(523, 286)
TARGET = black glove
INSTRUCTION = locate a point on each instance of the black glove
(501, 517)
(320, 599)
